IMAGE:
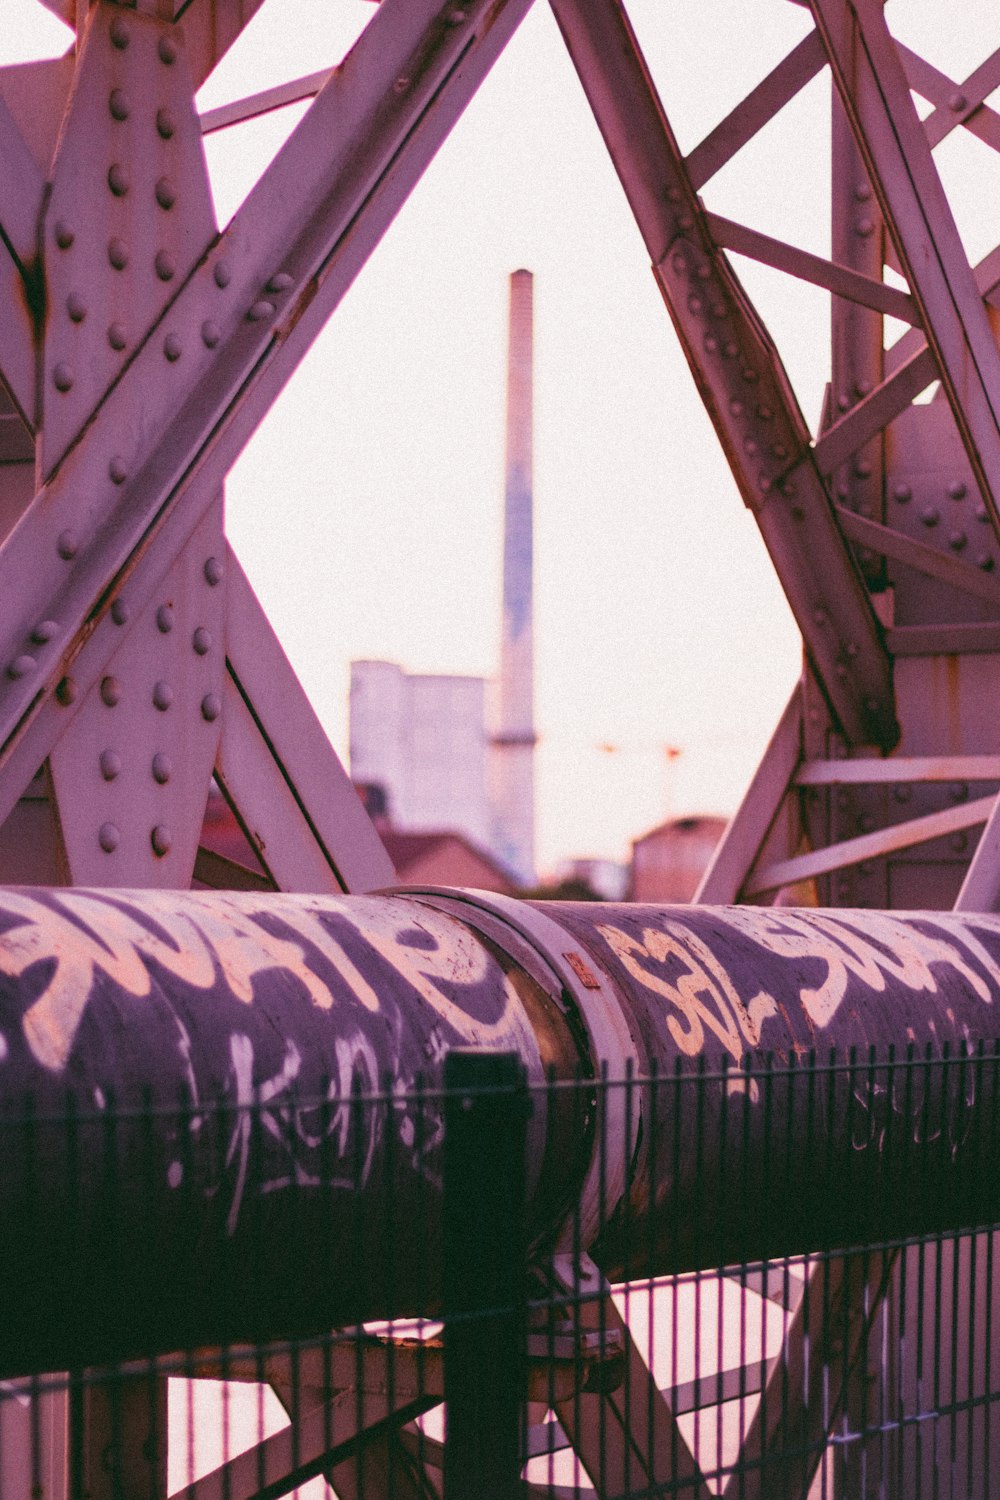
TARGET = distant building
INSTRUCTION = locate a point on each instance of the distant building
(606, 877)
(444, 859)
(422, 740)
(669, 861)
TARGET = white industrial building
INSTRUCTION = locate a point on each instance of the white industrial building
(422, 738)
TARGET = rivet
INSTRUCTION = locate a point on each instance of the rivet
(164, 124)
(737, 408)
(957, 540)
(957, 103)
(982, 514)
(718, 309)
(44, 631)
(167, 49)
(819, 615)
(119, 611)
(402, 84)
(674, 194)
(21, 666)
(161, 839)
(840, 670)
(749, 375)
(678, 263)
(62, 377)
(862, 388)
(165, 619)
(118, 254)
(788, 488)
(120, 37)
(852, 648)
(986, 562)
(111, 691)
(260, 310)
(711, 343)
(864, 228)
(118, 179)
(843, 402)
(210, 334)
(118, 470)
(902, 493)
(172, 347)
(843, 492)
(704, 272)
(165, 266)
(862, 192)
(749, 446)
(119, 105)
(116, 336)
(76, 307)
(111, 764)
(930, 515)
(730, 350)
(64, 235)
(201, 641)
(694, 303)
(862, 468)
(765, 413)
(66, 692)
(108, 837)
(66, 545)
(211, 707)
(685, 222)
(212, 570)
(958, 490)
(166, 193)
(279, 282)
(779, 450)
(163, 696)
(162, 768)
(221, 273)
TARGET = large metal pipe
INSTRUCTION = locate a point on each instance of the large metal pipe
(213, 1128)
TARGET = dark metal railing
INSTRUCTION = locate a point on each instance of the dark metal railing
(849, 1349)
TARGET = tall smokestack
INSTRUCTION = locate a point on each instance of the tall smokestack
(513, 745)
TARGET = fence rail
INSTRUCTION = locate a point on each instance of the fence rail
(182, 1319)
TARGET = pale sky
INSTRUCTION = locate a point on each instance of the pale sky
(368, 508)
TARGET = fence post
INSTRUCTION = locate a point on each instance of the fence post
(485, 1296)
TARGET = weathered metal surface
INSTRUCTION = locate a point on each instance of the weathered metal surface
(197, 1071)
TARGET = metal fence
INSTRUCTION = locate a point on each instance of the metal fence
(392, 1296)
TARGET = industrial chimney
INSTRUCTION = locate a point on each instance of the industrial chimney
(512, 775)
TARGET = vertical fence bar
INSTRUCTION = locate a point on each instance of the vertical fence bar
(485, 1282)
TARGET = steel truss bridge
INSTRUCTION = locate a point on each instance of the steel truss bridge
(140, 347)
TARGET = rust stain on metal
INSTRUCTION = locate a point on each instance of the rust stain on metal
(585, 975)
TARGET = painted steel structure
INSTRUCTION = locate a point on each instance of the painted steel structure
(140, 345)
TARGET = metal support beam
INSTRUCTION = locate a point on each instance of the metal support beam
(738, 373)
(875, 94)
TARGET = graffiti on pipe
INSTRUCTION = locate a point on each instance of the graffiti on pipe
(876, 951)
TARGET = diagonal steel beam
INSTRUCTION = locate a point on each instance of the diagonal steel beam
(244, 319)
(816, 269)
(956, 104)
(21, 187)
(738, 373)
(754, 111)
(873, 87)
